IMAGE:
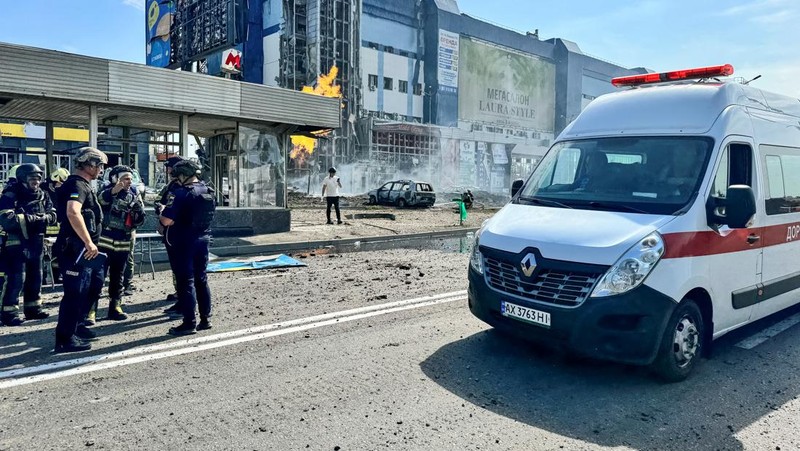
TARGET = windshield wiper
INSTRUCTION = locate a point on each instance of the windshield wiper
(595, 204)
(540, 201)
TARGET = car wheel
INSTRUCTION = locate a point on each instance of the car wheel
(401, 202)
(681, 344)
(372, 200)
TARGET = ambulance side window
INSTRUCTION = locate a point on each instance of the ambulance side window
(783, 185)
(735, 168)
(720, 187)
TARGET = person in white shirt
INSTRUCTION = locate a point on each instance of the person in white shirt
(330, 191)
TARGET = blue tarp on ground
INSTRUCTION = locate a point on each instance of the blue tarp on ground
(268, 262)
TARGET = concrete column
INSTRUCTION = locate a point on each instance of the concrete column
(281, 190)
(49, 143)
(184, 132)
(126, 147)
(93, 126)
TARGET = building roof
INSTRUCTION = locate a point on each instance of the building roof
(45, 85)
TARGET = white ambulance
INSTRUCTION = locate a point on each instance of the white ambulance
(663, 217)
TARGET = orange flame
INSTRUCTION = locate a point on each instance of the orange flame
(304, 146)
(326, 85)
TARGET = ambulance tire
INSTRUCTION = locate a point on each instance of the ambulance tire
(401, 203)
(682, 343)
(372, 200)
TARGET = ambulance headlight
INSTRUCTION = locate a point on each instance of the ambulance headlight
(475, 256)
(632, 268)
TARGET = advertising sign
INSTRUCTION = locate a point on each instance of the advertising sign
(499, 155)
(159, 26)
(448, 61)
(203, 27)
(505, 88)
(466, 174)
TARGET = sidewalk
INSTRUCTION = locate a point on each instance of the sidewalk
(309, 230)
(362, 229)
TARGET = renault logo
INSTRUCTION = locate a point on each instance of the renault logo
(528, 265)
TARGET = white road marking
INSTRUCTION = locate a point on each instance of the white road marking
(21, 344)
(197, 344)
(764, 335)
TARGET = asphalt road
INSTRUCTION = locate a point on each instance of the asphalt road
(372, 350)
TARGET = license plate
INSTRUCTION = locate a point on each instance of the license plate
(526, 314)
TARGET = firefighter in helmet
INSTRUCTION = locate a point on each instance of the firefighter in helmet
(123, 212)
(76, 247)
(51, 186)
(25, 213)
(174, 311)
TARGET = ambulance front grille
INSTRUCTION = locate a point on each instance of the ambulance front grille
(563, 288)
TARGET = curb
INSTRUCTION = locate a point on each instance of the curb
(340, 245)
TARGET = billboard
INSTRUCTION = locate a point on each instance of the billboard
(159, 27)
(506, 88)
(448, 61)
(203, 27)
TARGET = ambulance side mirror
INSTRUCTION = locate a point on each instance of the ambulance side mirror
(516, 186)
(740, 206)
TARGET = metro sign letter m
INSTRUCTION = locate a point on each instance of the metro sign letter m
(234, 61)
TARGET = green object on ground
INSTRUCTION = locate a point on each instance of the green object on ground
(462, 210)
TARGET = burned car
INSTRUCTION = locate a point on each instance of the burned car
(404, 193)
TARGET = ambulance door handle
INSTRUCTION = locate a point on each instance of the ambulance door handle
(752, 238)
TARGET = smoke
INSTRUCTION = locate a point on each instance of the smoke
(359, 178)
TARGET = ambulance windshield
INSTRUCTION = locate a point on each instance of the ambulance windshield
(654, 175)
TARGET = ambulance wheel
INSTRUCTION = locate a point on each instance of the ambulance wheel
(401, 203)
(372, 200)
(681, 344)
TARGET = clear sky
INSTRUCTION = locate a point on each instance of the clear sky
(759, 37)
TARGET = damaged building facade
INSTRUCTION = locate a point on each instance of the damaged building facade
(427, 91)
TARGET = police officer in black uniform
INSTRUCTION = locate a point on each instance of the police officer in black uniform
(187, 219)
(25, 212)
(80, 233)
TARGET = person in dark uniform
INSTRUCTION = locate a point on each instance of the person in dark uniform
(79, 235)
(56, 179)
(25, 212)
(123, 211)
(187, 219)
(175, 310)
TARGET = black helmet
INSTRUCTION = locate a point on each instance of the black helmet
(115, 172)
(332, 170)
(172, 161)
(26, 170)
(186, 168)
(91, 156)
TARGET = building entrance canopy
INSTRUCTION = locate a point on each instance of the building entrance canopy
(48, 86)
